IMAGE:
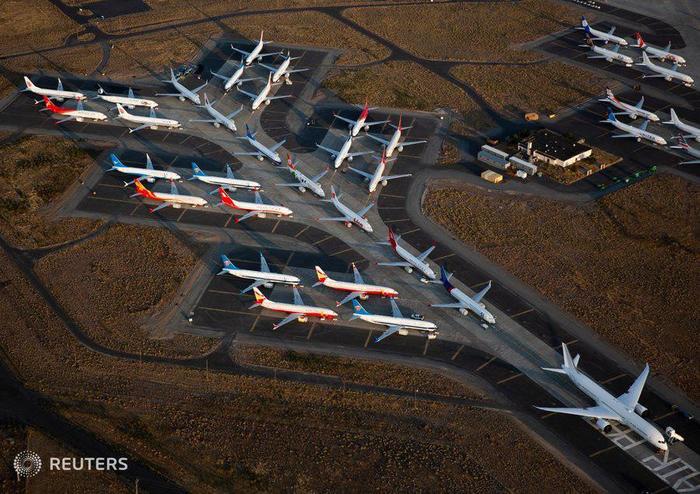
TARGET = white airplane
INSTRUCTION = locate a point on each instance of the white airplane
(664, 55)
(356, 125)
(638, 133)
(632, 111)
(690, 131)
(250, 56)
(262, 150)
(373, 179)
(79, 114)
(339, 156)
(349, 217)
(297, 311)
(149, 173)
(465, 303)
(263, 96)
(608, 54)
(257, 208)
(150, 122)
(624, 409)
(229, 182)
(218, 118)
(264, 277)
(358, 288)
(668, 74)
(393, 143)
(57, 93)
(235, 78)
(409, 260)
(183, 92)
(695, 153)
(173, 199)
(130, 101)
(302, 181)
(396, 322)
(597, 35)
(283, 70)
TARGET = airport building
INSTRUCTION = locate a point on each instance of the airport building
(553, 148)
(521, 164)
(494, 157)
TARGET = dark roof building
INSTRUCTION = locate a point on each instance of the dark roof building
(555, 149)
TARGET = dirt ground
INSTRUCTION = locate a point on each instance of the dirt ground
(80, 60)
(111, 283)
(26, 24)
(627, 266)
(353, 370)
(216, 431)
(34, 171)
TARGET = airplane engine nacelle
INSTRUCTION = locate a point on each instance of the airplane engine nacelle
(364, 296)
(633, 116)
(302, 189)
(400, 149)
(181, 98)
(268, 285)
(150, 180)
(384, 182)
(408, 269)
(267, 101)
(302, 319)
(366, 128)
(403, 332)
(348, 224)
(603, 425)
(131, 107)
(640, 410)
(464, 311)
(261, 158)
(350, 126)
(432, 336)
(217, 124)
(349, 158)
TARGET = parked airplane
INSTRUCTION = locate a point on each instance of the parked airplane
(283, 70)
(183, 92)
(262, 150)
(373, 179)
(608, 54)
(356, 125)
(149, 173)
(690, 131)
(668, 74)
(631, 131)
(396, 322)
(255, 53)
(632, 111)
(229, 182)
(173, 199)
(235, 78)
(409, 260)
(339, 156)
(57, 93)
(393, 143)
(302, 181)
(297, 311)
(695, 153)
(358, 288)
(78, 114)
(597, 35)
(465, 303)
(218, 118)
(349, 217)
(662, 54)
(257, 208)
(130, 101)
(150, 122)
(264, 277)
(624, 409)
(263, 96)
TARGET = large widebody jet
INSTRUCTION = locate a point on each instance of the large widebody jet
(149, 122)
(410, 262)
(668, 74)
(695, 153)
(262, 150)
(465, 303)
(356, 126)
(349, 217)
(638, 133)
(149, 173)
(283, 70)
(173, 199)
(344, 152)
(235, 78)
(79, 114)
(302, 181)
(130, 100)
(624, 409)
(297, 311)
(609, 54)
(59, 93)
(257, 208)
(255, 53)
(263, 277)
(229, 182)
(218, 118)
(183, 92)
(663, 54)
(393, 143)
(689, 132)
(374, 179)
(356, 288)
(395, 323)
(632, 111)
(263, 97)
(597, 35)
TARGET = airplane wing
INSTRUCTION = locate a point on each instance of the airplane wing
(350, 296)
(255, 284)
(390, 330)
(647, 76)
(598, 412)
(198, 89)
(693, 162)
(140, 127)
(173, 188)
(294, 71)
(234, 113)
(644, 125)
(222, 77)
(640, 104)
(623, 135)
(169, 94)
(263, 264)
(392, 177)
(378, 139)
(291, 185)
(250, 95)
(336, 218)
(631, 397)
(247, 153)
(258, 198)
(280, 97)
(210, 120)
(352, 122)
(268, 67)
(364, 210)
(477, 298)
(278, 145)
(455, 305)
(286, 320)
(596, 56)
(246, 53)
(411, 143)
(149, 162)
(319, 176)
(368, 176)
(612, 30)
(359, 153)
(140, 179)
(269, 54)
(297, 296)
(161, 206)
(395, 263)
(423, 255)
(328, 150)
(395, 311)
(370, 124)
(247, 215)
(358, 277)
(67, 119)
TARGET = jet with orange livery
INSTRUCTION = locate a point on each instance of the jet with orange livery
(173, 199)
(78, 114)
(358, 288)
(257, 208)
(296, 311)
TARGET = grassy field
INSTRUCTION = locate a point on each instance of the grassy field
(26, 24)
(80, 60)
(627, 266)
(34, 171)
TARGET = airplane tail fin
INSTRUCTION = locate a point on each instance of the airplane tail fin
(259, 297)
(116, 162)
(611, 115)
(321, 275)
(290, 162)
(358, 310)
(227, 262)
(569, 363)
(121, 109)
(674, 118)
(445, 278)
(197, 170)
(143, 191)
(29, 83)
(640, 40)
(392, 239)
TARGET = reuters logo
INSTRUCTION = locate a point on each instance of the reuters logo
(27, 464)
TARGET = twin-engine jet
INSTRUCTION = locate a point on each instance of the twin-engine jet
(235, 78)
(283, 70)
(465, 303)
(263, 277)
(395, 323)
(79, 114)
(393, 143)
(297, 311)
(257, 208)
(689, 132)
(349, 217)
(344, 152)
(632, 111)
(173, 199)
(229, 182)
(357, 288)
(356, 125)
(251, 56)
(374, 179)
(638, 133)
(409, 260)
(183, 92)
(609, 54)
(682, 144)
(597, 35)
(262, 150)
(218, 118)
(668, 74)
(149, 122)
(130, 100)
(663, 54)
(263, 97)
(59, 93)
(149, 173)
(302, 181)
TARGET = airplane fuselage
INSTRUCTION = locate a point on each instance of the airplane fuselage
(612, 55)
(81, 115)
(343, 153)
(634, 112)
(306, 310)
(363, 288)
(177, 199)
(421, 266)
(403, 322)
(314, 187)
(221, 118)
(670, 75)
(664, 55)
(145, 172)
(55, 93)
(262, 97)
(608, 37)
(185, 92)
(351, 216)
(153, 122)
(267, 277)
(260, 207)
(254, 54)
(264, 150)
(376, 176)
(227, 182)
(393, 143)
(130, 102)
(234, 78)
(472, 306)
(693, 132)
(281, 70)
(640, 134)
